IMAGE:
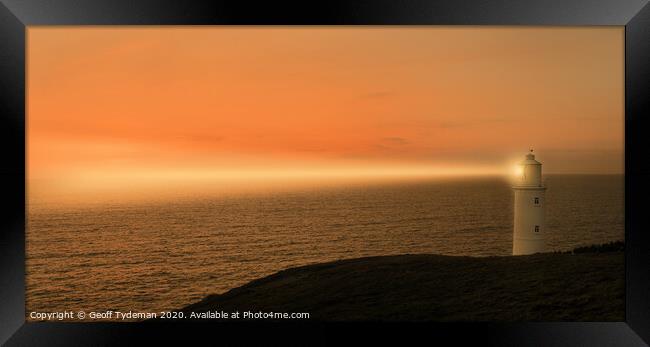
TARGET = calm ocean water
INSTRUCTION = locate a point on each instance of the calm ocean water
(162, 256)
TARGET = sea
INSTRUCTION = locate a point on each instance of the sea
(163, 255)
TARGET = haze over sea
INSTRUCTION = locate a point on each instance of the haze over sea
(163, 255)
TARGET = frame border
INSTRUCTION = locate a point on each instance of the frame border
(16, 15)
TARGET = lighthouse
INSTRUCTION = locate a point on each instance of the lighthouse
(529, 231)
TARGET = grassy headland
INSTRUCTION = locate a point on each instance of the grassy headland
(584, 285)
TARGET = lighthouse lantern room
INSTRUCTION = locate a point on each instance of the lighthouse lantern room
(529, 230)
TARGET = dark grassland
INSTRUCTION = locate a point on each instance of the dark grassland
(584, 285)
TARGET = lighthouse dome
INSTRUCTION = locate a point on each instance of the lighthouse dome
(531, 172)
(530, 160)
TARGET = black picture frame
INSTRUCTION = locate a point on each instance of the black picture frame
(16, 15)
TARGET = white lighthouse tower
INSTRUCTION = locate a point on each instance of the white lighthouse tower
(529, 231)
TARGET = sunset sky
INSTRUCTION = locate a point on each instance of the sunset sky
(127, 107)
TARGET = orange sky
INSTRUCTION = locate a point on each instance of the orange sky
(111, 105)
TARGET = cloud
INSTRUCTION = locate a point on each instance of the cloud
(204, 138)
(395, 141)
(474, 122)
(377, 95)
(449, 125)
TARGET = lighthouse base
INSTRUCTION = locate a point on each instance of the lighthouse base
(523, 246)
